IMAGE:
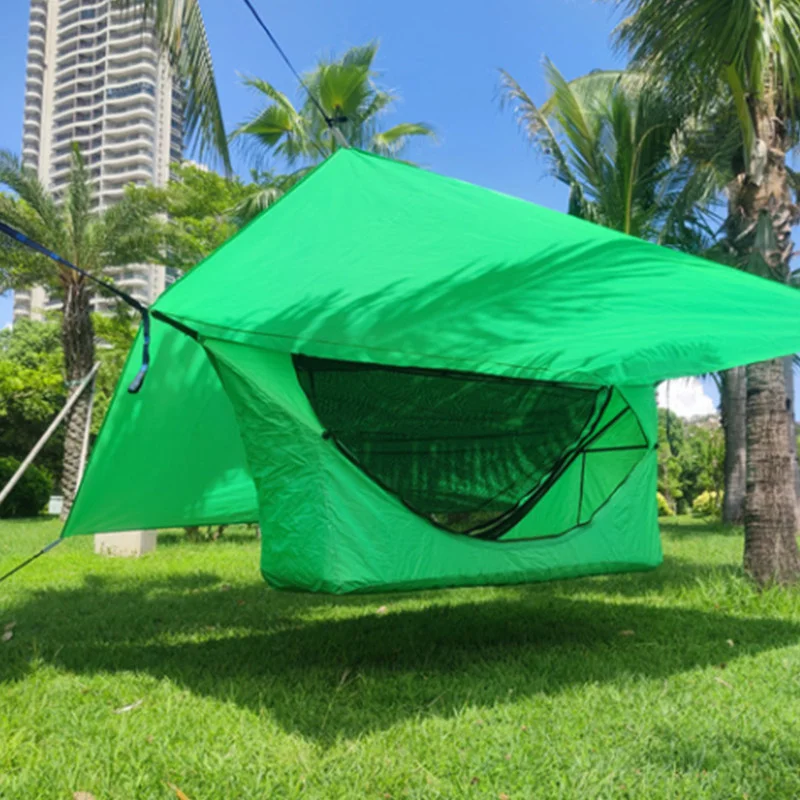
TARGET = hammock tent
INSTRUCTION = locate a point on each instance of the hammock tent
(412, 382)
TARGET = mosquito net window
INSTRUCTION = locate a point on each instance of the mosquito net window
(471, 453)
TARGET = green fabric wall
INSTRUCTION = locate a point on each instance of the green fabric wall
(327, 527)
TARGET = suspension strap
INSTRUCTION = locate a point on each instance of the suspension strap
(137, 382)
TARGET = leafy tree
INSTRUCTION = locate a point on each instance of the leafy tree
(350, 96)
(198, 206)
(670, 444)
(744, 56)
(702, 461)
(90, 240)
(31, 391)
(691, 457)
(620, 145)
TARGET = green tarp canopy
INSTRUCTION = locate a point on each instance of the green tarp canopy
(410, 381)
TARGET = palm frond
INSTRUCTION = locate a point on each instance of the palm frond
(348, 94)
(392, 141)
(270, 193)
(181, 32)
(25, 184)
(751, 46)
(78, 205)
(536, 129)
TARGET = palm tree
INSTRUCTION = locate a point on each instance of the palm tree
(745, 54)
(620, 146)
(179, 26)
(300, 137)
(93, 241)
(639, 162)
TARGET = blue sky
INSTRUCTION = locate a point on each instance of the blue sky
(442, 58)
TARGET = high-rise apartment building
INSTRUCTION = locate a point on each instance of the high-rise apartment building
(96, 76)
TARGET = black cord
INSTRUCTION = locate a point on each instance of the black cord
(39, 248)
(329, 121)
(45, 549)
(20, 237)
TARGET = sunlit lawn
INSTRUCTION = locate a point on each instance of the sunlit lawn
(683, 682)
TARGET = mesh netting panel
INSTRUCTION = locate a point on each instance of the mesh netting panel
(462, 450)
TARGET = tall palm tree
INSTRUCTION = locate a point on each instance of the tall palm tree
(619, 144)
(746, 54)
(179, 26)
(347, 90)
(90, 240)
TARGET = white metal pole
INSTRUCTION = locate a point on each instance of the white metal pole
(6, 491)
(86, 432)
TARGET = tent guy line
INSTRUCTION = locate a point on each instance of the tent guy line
(143, 310)
(46, 549)
(329, 121)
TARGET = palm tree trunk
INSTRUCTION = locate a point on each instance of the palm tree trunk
(734, 401)
(77, 334)
(788, 379)
(770, 545)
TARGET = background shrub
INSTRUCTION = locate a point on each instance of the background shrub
(664, 508)
(29, 496)
(707, 504)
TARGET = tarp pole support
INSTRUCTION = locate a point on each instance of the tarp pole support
(6, 491)
(86, 433)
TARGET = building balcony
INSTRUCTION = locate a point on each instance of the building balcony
(143, 43)
(123, 66)
(112, 146)
(126, 76)
(132, 280)
(126, 110)
(130, 126)
(137, 168)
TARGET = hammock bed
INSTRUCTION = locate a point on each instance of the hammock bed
(413, 382)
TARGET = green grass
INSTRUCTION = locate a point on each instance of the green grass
(533, 691)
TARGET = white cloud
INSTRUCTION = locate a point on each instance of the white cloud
(685, 397)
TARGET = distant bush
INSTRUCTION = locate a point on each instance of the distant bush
(664, 508)
(29, 496)
(707, 504)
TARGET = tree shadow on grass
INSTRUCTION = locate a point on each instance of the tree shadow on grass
(673, 576)
(357, 671)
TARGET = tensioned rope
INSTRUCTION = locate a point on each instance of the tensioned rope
(145, 312)
(45, 549)
(329, 121)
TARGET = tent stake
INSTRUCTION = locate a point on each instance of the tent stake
(6, 491)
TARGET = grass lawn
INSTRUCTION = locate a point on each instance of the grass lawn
(683, 682)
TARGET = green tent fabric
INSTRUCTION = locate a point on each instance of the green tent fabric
(410, 381)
